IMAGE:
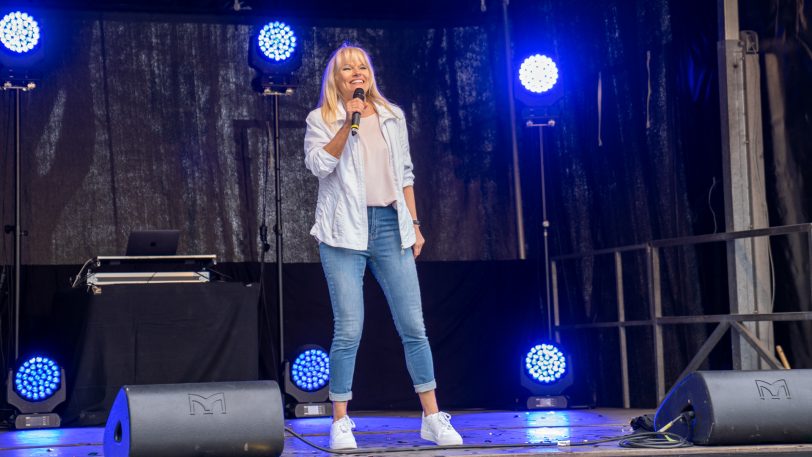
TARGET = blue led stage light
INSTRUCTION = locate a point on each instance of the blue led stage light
(538, 73)
(546, 372)
(311, 370)
(35, 388)
(37, 379)
(275, 55)
(545, 363)
(277, 41)
(306, 381)
(19, 32)
(23, 48)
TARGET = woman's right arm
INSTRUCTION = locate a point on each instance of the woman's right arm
(322, 148)
(317, 139)
(336, 146)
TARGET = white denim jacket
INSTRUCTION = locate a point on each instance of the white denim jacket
(341, 209)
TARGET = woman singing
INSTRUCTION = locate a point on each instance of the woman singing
(366, 216)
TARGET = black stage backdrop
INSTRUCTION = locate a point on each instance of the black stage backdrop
(149, 122)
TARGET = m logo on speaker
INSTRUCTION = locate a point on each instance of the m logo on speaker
(207, 405)
(773, 390)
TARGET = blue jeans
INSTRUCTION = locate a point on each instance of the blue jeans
(394, 268)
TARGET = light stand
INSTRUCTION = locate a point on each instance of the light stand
(545, 224)
(17, 88)
(272, 52)
(276, 87)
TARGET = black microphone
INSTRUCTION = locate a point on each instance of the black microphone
(356, 116)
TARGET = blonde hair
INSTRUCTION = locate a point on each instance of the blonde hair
(329, 101)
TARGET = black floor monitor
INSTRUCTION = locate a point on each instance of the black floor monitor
(153, 242)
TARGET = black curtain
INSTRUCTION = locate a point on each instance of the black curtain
(150, 122)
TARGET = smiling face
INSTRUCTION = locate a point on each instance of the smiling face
(352, 71)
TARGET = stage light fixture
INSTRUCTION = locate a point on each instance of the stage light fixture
(276, 41)
(311, 370)
(35, 388)
(22, 49)
(306, 380)
(19, 32)
(275, 54)
(546, 372)
(538, 73)
(538, 86)
(545, 363)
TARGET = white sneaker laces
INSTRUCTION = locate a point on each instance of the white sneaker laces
(346, 425)
(445, 420)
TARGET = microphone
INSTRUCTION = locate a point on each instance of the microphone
(356, 116)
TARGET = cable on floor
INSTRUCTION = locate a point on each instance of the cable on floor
(661, 439)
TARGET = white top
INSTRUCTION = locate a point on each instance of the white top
(341, 208)
(378, 175)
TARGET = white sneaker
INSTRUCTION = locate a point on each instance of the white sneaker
(341, 434)
(437, 427)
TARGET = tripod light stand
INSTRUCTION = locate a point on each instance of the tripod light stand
(21, 52)
(15, 228)
(276, 90)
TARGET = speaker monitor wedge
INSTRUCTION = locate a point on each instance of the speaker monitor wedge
(741, 407)
(179, 420)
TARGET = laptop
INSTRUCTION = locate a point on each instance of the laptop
(153, 242)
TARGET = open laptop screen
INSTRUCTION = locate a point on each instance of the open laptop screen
(153, 242)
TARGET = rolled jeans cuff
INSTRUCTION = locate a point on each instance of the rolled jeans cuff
(425, 387)
(340, 397)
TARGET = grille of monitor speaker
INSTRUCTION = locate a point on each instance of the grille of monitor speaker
(179, 420)
(741, 407)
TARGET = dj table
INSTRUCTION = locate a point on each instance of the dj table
(153, 334)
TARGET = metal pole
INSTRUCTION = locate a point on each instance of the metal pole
(517, 180)
(278, 226)
(808, 259)
(656, 313)
(554, 281)
(17, 231)
(273, 86)
(545, 224)
(621, 318)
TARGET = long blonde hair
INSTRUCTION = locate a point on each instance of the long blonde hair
(329, 100)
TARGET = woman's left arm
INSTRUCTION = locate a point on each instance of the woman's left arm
(408, 195)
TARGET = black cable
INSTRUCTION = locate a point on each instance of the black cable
(79, 276)
(659, 439)
(655, 440)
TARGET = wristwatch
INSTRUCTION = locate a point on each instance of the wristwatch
(416, 222)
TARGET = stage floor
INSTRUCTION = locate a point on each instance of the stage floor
(389, 430)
